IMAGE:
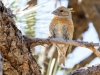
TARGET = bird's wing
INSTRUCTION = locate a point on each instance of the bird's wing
(52, 30)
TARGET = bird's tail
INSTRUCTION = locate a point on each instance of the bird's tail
(62, 60)
(62, 53)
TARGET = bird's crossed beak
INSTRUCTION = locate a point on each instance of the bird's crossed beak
(54, 12)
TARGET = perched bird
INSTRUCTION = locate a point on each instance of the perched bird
(61, 26)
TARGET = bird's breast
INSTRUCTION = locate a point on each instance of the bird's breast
(64, 27)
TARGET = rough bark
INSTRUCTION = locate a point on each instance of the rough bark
(94, 70)
(17, 57)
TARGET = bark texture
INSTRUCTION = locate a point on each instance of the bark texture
(94, 70)
(17, 57)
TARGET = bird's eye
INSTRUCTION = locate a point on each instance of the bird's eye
(61, 10)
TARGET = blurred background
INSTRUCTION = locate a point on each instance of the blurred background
(33, 18)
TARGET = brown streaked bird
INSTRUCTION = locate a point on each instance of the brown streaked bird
(61, 26)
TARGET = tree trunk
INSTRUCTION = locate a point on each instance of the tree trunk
(17, 57)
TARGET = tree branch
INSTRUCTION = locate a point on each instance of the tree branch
(94, 70)
(41, 41)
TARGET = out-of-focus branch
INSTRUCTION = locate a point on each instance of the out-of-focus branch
(92, 1)
(82, 9)
(94, 70)
(80, 21)
(84, 62)
(32, 3)
(93, 14)
(41, 41)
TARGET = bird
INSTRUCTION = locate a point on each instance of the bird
(61, 26)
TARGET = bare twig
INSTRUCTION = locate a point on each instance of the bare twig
(41, 41)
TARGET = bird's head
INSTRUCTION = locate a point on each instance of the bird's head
(63, 11)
